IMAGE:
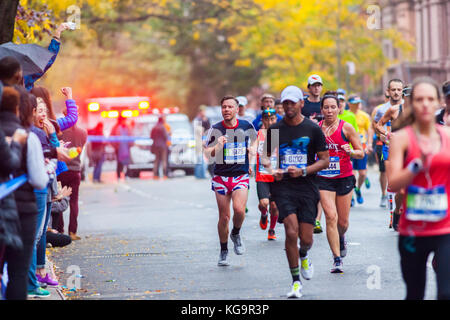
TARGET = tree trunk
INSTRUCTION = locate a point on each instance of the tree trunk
(8, 11)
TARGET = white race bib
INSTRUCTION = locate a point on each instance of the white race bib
(292, 157)
(234, 152)
(430, 205)
(333, 170)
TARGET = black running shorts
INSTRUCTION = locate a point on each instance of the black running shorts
(299, 201)
(263, 190)
(379, 152)
(341, 186)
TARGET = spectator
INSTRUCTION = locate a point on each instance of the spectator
(122, 147)
(33, 166)
(72, 178)
(96, 152)
(11, 155)
(169, 144)
(159, 148)
(60, 204)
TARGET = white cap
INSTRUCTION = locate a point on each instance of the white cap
(291, 93)
(242, 100)
(314, 79)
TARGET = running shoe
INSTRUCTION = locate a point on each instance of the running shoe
(223, 262)
(359, 197)
(38, 293)
(318, 227)
(367, 182)
(343, 247)
(271, 235)
(383, 201)
(296, 291)
(337, 265)
(238, 245)
(353, 202)
(263, 222)
(307, 268)
(47, 280)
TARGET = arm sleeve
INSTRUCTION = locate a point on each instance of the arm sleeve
(30, 79)
(11, 155)
(54, 142)
(72, 115)
(37, 175)
(61, 205)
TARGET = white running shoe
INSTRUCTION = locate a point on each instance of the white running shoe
(383, 201)
(296, 291)
(307, 268)
(223, 262)
(238, 245)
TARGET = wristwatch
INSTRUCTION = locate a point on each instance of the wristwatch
(415, 166)
(304, 172)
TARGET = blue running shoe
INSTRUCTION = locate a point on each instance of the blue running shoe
(353, 202)
(367, 182)
(359, 197)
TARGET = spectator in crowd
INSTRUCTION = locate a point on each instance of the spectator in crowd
(96, 152)
(72, 178)
(122, 147)
(159, 148)
(32, 165)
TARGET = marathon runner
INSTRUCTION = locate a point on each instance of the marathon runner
(383, 127)
(267, 102)
(232, 143)
(360, 165)
(264, 179)
(442, 114)
(378, 146)
(297, 140)
(419, 161)
(394, 90)
(336, 182)
(311, 108)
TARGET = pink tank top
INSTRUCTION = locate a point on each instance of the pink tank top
(427, 202)
(340, 162)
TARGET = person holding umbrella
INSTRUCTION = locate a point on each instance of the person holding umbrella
(25, 64)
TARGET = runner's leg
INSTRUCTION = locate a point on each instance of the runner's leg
(328, 201)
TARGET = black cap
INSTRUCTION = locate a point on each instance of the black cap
(446, 88)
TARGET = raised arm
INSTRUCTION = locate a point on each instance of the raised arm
(71, 116)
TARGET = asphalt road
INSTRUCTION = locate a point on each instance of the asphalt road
(145, 239)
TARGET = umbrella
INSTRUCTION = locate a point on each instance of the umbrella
(32, 57)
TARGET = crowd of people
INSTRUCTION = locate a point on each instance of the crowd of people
(311, 157)
(41, 154)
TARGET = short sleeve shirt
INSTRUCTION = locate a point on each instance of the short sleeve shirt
(233, 159)
(295, 146)
(311, 108)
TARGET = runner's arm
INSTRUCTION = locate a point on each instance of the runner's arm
(322, 163)
(379, 126)
(399, 177)
(353, 138)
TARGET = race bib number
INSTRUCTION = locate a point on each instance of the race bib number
(430, 205)
(333, 170)
(234, 152)
(292, 157)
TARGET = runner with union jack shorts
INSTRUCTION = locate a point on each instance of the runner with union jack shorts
(231, 143)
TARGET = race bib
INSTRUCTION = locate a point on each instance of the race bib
(234, 152)
(430, 205)
(292, 157)
(333, 170)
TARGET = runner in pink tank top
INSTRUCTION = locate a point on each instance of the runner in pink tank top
(336, 183)
(419, 162)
